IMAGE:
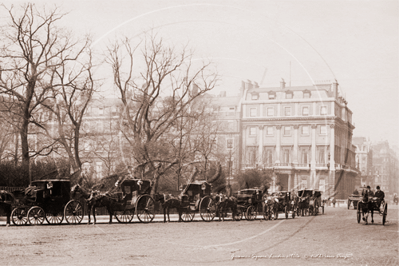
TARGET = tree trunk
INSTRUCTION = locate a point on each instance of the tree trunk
(216, 175)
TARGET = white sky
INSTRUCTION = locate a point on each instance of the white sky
(355, 42)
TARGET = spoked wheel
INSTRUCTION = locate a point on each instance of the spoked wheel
(19, 216)
(36, 215)
(286, 212)
(384, 215)
(55, 217)
(238, 214)
(187, 215)
(250, 213)
(207, 209)
(73, 212)
(145, 209)
(125, 216)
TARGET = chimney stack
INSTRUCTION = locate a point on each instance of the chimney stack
(334, 88)
(282, 84)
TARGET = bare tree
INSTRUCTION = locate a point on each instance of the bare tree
(157, 98)
(33, 49)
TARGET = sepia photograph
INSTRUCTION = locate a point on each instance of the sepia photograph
(199, 132)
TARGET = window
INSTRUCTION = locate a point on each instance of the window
(305, 130)
(252, 112)
(232, 109)
(100, 111)
(99, 169)
(269, 131)
(322, 156)
(272, 96)
(306, 95)
(287, 131)
(287, 111)
(323, 110)
(270, 111)
(286, 157)
(305, 111)
(268, 157)
(230, 144)
(323, 130)
(304, 157)
(288, 95)
(252, 131)
(251, 156)
(254, 96)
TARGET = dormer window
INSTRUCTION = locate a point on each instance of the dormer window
(289, 95)
(272, 95)
(254, 96)
(306, 94)
(305, 111)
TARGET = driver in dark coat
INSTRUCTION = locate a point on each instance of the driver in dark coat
(380, 195)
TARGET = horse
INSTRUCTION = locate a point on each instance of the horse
(77, 189)
(5, 204)
(101, 200)
(366, 206)
(226, 203)
(168, 202)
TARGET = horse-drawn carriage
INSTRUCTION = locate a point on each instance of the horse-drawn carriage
(47, 200)
(371, 204)
(129, 197)
(303, 201)
(196, 196)
(250, 202)
(315, 203)
(285, 203)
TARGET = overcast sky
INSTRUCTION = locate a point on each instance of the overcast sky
(355, 42)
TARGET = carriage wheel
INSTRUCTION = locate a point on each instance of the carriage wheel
(384, 215)
(73, 212)
(207, 209)
(250, 213)
(36, 215)
(238, 214)
(125, 216)
(187, 215)
(18, 216)
(359, 215)
(54, 218)
(286, 212)
(145, 209)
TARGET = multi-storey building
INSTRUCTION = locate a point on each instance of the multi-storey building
(364, 161)
(385, 171)
(303, 134)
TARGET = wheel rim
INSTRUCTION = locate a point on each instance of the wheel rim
(145, 209)
(207, 209)
(54, 218)
(125, 216)
(187, 215)
(250, 213)
(19, 216)
(73, 212)
(36, 216)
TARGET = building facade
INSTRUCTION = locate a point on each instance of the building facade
(304, 134)
(364, 161)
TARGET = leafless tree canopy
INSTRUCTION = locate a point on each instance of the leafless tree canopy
(158, 97)
(39, 64)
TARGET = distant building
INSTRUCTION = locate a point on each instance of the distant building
(304, 134)
(364, 161)
(385, 171)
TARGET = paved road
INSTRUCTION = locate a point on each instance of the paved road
(334, 238)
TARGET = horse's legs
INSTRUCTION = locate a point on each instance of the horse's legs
(180, 211)
(88, 213)
(111, 212)
(372, 216)
(93, 209)
(164, 213)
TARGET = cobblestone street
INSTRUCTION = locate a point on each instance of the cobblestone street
(334, 238)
